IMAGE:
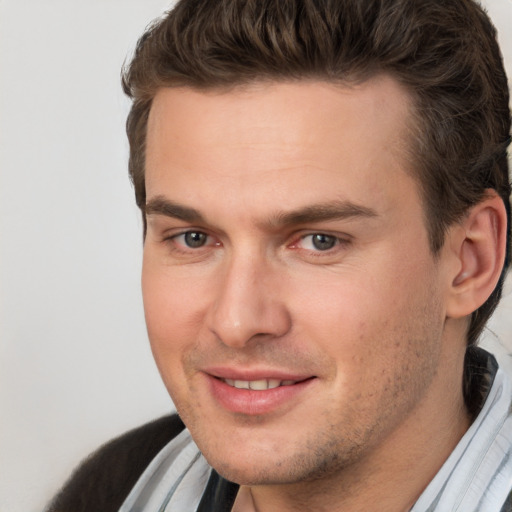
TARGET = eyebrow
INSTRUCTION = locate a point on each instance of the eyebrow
(159, 205)
(332, 210)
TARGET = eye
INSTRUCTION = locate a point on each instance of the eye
(191, 239)
(318, 242)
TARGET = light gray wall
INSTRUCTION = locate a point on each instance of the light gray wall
(75, 366)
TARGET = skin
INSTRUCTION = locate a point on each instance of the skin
(366, 320)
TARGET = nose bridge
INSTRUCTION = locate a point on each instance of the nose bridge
(248, 302)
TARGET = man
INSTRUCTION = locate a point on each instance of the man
(325, 194)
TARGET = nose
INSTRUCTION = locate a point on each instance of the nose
(248, 304)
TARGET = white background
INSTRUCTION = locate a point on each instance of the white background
(75, 366)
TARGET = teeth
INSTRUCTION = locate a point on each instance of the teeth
(273, 383)
(258, 385)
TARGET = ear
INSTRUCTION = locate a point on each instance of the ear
(478, 244)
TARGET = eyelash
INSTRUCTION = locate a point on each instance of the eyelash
(184, 247)
(337, 242)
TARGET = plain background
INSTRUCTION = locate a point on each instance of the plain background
(75, 365)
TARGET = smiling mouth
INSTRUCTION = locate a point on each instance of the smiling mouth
(259, 385)
(257, 395)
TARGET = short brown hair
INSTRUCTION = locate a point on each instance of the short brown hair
(443, 51)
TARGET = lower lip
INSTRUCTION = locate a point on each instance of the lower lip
(251, 402)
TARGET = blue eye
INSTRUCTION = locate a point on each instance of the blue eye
(319, 242)
(323, 242)
(193, 239)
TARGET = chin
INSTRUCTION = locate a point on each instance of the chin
(267, 469)
(252, 476)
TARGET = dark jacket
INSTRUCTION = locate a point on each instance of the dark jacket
(102, 482)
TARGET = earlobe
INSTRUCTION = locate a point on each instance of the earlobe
(480, 252)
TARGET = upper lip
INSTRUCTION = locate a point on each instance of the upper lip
(252, 374)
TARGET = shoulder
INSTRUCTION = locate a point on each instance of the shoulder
(105, 478)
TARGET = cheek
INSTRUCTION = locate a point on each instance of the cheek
(368, 318)
(171, 295)
(173, 313)
(344, 306)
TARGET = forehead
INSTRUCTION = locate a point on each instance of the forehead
(264, 108)
(301, 140)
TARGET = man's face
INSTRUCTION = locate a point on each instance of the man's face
(286, 251)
